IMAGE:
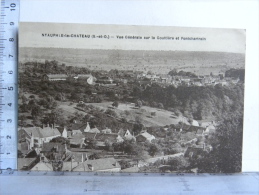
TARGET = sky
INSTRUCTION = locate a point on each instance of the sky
(213, 39)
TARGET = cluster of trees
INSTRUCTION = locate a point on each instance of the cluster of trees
(139, 151)
(52, 67)
(38, 110)
(174, 72)
(195, 102)
(236, 73)
(226, 156)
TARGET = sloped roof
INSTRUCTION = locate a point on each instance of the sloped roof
(79, 156)
(42, 133)
(24, 162)
(106, 130)
(47, 147)
(49, 132)
(56, 76)
(78, 126)
(23, 146)
(77, 139)
(68, 166)
(42, 166)
(199, 131)
(146, 135)
(94, 130)
(98, 165)
(76, 132)
(130, 170)
(60, 129)
(84, 76)
(101, 136)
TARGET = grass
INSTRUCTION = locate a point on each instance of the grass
(162, 118)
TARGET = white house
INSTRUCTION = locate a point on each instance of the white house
(36, 136)
(87, 77)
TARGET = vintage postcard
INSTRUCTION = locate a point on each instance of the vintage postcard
(114, 98)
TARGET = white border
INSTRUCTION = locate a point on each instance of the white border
(211, 13)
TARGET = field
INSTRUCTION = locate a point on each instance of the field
(162, 117)
(158, 62)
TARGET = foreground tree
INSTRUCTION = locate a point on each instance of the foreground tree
(226, 156)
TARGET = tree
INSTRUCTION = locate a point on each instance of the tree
(153, 150)
(226, 156)
(160, 105)
(56, 117)
(115, 104)
(108, 145)
(36, 111)
(124, 164)
(22, 120)
(60, 140)
(137, 128)
(111, 113)
(138, 104)
(178, 163)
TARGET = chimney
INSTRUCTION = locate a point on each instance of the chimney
(82, 157)
(203, 146)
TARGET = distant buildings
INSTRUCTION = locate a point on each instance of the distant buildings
(54, 77)
(85, 77)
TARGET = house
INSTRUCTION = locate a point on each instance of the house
(106, 130)
(54, 77)
(26, 163)
(63, 131)
(165, 78)
(152, 77)
(69, 166)
(74, 132)
(42, 166)
(77, 157)
(77, 140)
(79, 128)
(145, 136)
(129, 136)
(94, 130)
(54, 151)
(190, 128)
(85, 77)
(99, 165)
(36, 136)
(210, 129)
(102, 138)
(195, 123)
(105, 80)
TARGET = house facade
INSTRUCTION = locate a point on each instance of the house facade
(36, 136)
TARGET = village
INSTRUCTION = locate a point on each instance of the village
(105, 122)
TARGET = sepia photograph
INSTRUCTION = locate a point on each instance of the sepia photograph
(118, 98)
